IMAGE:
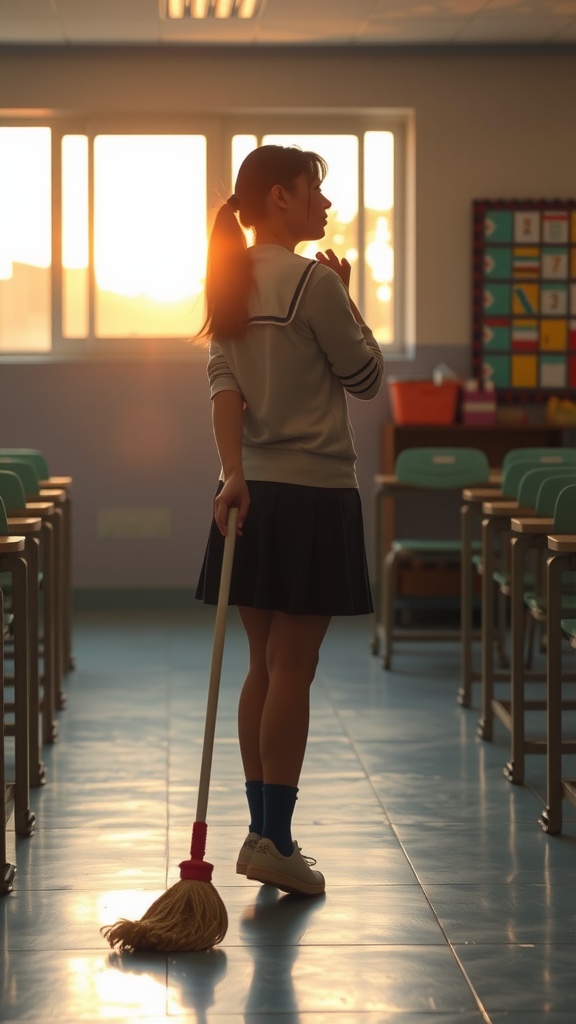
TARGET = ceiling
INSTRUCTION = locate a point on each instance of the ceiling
(295, 22)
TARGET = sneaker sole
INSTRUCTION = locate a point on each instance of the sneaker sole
(284, 882)
(241, 867)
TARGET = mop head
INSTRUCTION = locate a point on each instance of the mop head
(188, 916)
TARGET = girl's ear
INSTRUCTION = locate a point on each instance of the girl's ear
(278, 197)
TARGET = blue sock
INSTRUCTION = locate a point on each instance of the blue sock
(255, 806)
(279, 803)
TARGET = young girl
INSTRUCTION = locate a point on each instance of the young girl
(286, 344)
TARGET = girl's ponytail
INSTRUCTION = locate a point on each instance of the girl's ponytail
(227, 277)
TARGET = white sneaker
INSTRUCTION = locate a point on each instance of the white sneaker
(246, 852)
(290, 874)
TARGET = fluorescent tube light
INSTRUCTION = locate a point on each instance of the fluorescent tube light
(223, 10)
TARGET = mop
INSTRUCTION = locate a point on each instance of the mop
(190, 915)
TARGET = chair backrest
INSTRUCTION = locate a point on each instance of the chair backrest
(25, 471)
(550, 488)
(565, 511)
(546, 455)
(31, 455)
(532, 480)
(516, 470)
(442, 468)
(11, 491)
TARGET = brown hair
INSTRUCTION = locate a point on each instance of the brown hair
(228, 266)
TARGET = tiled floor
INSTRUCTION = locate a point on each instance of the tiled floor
(445, 902)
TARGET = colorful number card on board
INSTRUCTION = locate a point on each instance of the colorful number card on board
(524, 297)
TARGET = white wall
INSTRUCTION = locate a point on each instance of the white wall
(138, 433)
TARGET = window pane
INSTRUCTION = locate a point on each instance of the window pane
(149, 234)
(25, 240)
(75, 320)
(379, 233)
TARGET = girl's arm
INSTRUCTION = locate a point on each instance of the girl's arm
(227, 421)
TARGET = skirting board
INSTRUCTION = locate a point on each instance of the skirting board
(90, 599)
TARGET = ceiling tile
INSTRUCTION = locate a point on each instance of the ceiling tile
(17, 10)
(424, 11)
(413, 31)
(512, 30)
(102, 31)
(568, 34)
(39, 30)
(534, 8)
(107, 10)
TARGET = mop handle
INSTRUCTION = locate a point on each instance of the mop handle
(216, 666)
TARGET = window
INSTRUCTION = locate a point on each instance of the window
(103, 229)
(25, 239)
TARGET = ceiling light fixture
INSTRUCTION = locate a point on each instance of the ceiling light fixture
(223, 10)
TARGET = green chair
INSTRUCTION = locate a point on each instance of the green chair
(528, 538)
(547, 456)
(49, 503)
(34, 520)
(495, 563)
(561, 560)
(13, 561)
(61, 488)
(419, 471)
(494, 512)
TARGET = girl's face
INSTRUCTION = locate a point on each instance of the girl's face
(307, 209)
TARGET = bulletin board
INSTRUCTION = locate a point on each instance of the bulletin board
(524, 297)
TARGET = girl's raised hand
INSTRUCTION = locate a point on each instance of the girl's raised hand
(342, 267)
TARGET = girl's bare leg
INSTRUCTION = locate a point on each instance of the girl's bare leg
(274, 707)
(256, 624)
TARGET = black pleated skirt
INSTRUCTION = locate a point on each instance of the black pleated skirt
(301, 552)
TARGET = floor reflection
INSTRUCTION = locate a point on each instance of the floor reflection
(272, 929)
(194, 975)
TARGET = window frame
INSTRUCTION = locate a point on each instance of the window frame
(218, 130)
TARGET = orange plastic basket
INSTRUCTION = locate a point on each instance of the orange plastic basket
(422, 401)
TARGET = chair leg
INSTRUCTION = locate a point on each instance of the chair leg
(37, 771)
(60, 697)
(49, 682)
(23, 817)
(485, 726)
(389, 591)
(67, 654)
(514, 770)
(530, 637)
(8, 870)
(501, 630)
(466, 604)
(551, 819)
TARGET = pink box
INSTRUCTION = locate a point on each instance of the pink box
(478, 407)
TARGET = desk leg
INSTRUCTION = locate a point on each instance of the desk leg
(489, 529)
(514, 770)
(466, 604)
(551, 820)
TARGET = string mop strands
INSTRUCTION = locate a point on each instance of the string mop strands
(190, 916)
